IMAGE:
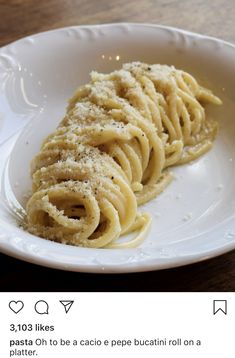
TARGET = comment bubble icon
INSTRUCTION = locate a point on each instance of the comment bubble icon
(41, 307)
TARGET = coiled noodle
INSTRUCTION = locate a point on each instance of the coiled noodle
(111, 152)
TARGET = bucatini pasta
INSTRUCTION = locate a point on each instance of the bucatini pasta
(111, 152)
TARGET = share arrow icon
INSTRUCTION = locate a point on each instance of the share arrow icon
(67, 305)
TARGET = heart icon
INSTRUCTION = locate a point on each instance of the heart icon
(16, 306)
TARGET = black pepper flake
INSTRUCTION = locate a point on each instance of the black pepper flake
(149, 68)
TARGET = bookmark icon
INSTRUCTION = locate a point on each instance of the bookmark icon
(67, 305)
(220, 306)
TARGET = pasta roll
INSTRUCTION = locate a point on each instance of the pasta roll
(111, 152)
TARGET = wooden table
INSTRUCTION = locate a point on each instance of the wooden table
(24, 17)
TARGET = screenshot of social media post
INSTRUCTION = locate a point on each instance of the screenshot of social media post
(117, 167)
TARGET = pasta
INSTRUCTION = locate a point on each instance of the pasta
(111, 152)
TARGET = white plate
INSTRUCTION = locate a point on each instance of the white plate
(193, 218)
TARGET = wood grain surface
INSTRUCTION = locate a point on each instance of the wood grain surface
(24, 17)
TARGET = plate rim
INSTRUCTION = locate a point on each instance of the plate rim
(113, 24)
(117, 269)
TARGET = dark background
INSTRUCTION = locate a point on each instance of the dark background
(24, 17)
(213, 275)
